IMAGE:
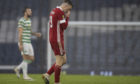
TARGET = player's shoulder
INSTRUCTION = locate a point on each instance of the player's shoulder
(56, 11)
(21, 19)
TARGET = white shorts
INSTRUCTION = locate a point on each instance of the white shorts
(27, 49)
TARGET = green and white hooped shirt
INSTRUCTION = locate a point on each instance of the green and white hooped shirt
(26, 25)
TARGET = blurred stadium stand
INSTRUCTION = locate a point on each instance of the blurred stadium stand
(118, 51)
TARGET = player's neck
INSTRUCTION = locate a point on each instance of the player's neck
(25, 17)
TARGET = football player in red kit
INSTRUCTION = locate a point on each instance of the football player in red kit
(58, 22)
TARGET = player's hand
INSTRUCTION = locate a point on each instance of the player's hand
(68, 14)
(63, 53)
(38, 34)
(21, 47)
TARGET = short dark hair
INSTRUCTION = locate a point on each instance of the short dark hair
(25, 8)
(68, 2)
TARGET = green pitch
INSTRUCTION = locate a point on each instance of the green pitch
(72, 79)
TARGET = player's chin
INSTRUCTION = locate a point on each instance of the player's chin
(29, 16)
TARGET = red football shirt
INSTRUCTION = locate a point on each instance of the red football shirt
(57, 23)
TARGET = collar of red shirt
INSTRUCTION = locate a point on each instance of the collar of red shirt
(59, 8)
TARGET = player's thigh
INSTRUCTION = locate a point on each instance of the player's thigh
(59, 60)
(28, 52)
(55, 48)
(31, 52)
(64, 58)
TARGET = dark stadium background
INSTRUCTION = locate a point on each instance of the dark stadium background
(118, 52)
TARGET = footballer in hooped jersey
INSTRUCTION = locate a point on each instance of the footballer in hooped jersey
(24, 43)
(58, 22)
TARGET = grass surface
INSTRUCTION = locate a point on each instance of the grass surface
(72, 79)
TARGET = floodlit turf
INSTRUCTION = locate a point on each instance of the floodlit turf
(72, 79)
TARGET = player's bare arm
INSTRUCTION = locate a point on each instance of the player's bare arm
(20, 30)
(36, 34)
